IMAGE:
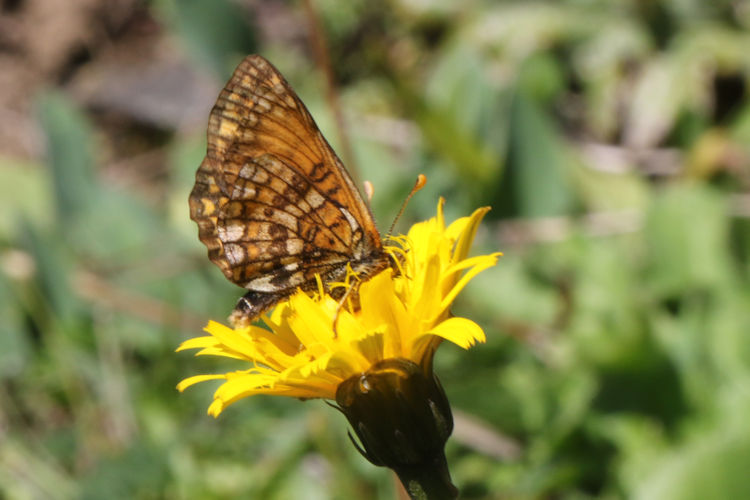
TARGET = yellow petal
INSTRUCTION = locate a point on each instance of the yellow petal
(197, 343)
(310, 322)
(239, 341)
(467, 235)
(185, 383)
(461, 331)
(480, 264)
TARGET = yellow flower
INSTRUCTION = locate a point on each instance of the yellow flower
(404, 316)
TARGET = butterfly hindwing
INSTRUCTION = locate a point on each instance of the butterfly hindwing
(273, 203)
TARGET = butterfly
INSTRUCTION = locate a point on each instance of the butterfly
(274, 204)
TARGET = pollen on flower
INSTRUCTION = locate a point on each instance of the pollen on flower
(401, 315)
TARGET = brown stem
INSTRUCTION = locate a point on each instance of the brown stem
(320, 50)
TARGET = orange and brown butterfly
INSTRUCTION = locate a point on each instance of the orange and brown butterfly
(273, 203)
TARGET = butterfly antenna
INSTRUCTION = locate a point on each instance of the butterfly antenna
(421, 181)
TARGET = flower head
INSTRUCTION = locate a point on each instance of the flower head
(313, 344)
(373, 355)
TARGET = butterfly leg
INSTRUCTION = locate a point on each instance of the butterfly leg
(351, 292)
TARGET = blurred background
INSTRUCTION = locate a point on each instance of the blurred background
(611, 138)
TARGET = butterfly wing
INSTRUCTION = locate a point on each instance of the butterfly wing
(273, 203)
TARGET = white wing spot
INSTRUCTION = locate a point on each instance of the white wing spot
(231, 232)
(285, 219)
(292, 266)
(350, 218)
(247, 171)
(235, 254)
(264, 104)
(261, 176)
(245, 192)
(264, 284)
(314, 198)
(294, 246)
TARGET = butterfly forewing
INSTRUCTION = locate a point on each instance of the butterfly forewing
(273, 203)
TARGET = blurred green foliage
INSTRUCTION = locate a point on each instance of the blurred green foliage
(611, 139)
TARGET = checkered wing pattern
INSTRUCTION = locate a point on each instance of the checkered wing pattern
(273, 202)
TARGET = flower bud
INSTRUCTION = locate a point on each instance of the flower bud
(403, 419)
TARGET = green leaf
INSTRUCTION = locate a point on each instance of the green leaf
(217, 33)
(53, 268)
(715, 466)
(687, 235)
(604, 323)
(473, 162)
(116, 230)
(137, 473)
(95, 219)
(15, 349)
(534, 183)
(68, 136)
(24, 192)
(541, 77)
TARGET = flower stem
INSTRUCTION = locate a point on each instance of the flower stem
(428, 482)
